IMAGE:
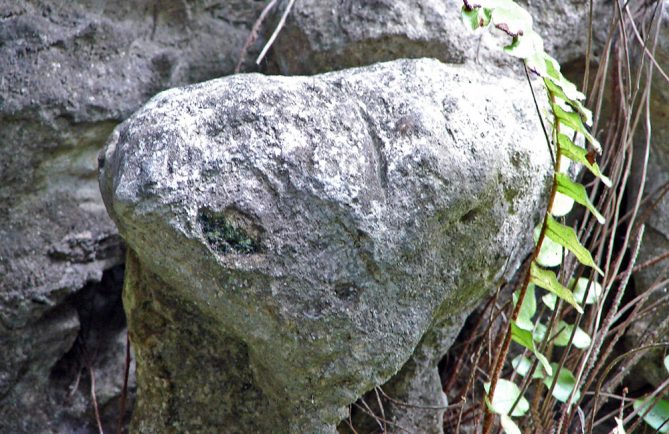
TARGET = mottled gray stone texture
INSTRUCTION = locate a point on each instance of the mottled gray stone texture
(325, 35)
(70, 71)
(296, 241)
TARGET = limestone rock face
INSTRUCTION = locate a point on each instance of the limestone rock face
(321, 35)
(297, 241)
(70, 71)
(656, 237)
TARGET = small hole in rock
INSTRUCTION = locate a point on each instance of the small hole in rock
(229, 231)
(347, 292)
(469, 216)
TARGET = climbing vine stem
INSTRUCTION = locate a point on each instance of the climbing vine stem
(502, 354)
(568, 117)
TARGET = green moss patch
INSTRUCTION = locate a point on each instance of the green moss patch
(225, 235)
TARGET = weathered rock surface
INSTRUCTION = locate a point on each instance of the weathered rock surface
(321, 35)
(69, 72)
(656, 237)
(297, 241)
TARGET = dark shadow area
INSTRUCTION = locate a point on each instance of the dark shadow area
(98, 351)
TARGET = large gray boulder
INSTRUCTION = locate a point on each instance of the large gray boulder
(295, 242)
(322, 35)
(70, 71)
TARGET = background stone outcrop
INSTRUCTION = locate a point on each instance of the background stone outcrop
(321, 35)
(69, 72)
(318, 232)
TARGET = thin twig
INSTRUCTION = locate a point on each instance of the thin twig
(75, 385)
(613, 413)
(611, 365)
(650, 401)
(349, 421)
(539, 115)
(276, 32)
(377, 418)
(253, 35)
(464, 352)
(650, 55)
(124, 390)
(95, 400)
(588, 50)
(419, 407)
(595, 356)
(383, 412)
